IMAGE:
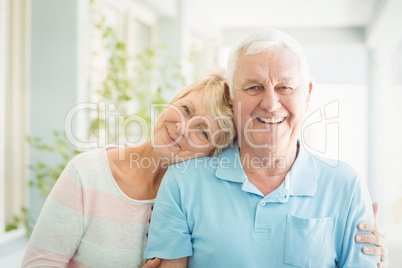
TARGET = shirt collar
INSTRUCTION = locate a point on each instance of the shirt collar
(302, 178)
(230, 167)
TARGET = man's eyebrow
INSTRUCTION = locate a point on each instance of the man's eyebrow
(257, 81)
(251, 81)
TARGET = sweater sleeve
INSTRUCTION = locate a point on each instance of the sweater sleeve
(60, 226)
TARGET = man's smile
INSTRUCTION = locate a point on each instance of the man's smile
(270, 120)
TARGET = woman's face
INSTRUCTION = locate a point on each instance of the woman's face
(185, 130)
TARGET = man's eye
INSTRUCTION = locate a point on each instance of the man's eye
(254, 90)
(186, 110)
(284, 89)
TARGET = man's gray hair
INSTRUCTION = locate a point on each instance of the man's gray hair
(262, 40)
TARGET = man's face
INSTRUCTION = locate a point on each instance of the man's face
(269, 99)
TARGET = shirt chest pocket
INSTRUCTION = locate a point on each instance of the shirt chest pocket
(308, 242)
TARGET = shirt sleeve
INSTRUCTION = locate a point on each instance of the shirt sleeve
(59, 228)
(169, 236)
(360, 211)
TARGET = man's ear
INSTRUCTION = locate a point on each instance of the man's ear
(310, 88)
(227, 94)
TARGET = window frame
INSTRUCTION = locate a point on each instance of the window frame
(3, 60)
(14, 44)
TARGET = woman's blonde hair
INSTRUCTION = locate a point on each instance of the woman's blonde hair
(216, 103)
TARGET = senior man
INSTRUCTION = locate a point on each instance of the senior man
(265, 201)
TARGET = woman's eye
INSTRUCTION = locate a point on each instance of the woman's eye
(204, 133)
(186, 110)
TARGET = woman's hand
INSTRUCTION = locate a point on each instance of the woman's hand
(154, 263)
(377, 239)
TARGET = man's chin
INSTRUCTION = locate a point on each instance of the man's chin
(261, 143)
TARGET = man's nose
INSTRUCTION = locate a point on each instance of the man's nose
(270, 100)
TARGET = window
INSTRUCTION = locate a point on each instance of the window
(3, 13)
(326, 130)
(133, 25)
(391, 174)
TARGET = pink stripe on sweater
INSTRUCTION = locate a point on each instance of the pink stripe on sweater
(103, 205)
(38, 257)
(76, 264)
(67, 192)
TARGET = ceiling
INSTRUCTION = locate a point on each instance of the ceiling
(231, 14)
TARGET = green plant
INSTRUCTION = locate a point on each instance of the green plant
(23, 219)
(47, 175)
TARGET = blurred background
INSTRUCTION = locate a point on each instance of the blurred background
(73, 71)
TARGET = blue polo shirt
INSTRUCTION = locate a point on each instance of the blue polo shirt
(208, 210)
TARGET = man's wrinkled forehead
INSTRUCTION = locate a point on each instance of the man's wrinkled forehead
(286, 66)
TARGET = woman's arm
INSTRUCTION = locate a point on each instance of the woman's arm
(158, 263)
(177, 263)
(377, 239)
(59, 228)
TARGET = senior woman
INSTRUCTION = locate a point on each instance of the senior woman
(98, 213)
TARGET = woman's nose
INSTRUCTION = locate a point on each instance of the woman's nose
(180, 128)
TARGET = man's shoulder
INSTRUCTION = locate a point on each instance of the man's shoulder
(333, 165)
(339, 172)
(201, 164)
(205, 166)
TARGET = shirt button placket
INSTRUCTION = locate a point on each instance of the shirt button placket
(260, 218)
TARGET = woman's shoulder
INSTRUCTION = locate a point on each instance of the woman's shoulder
(90, 163)
(90, 169)
(91, 157)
